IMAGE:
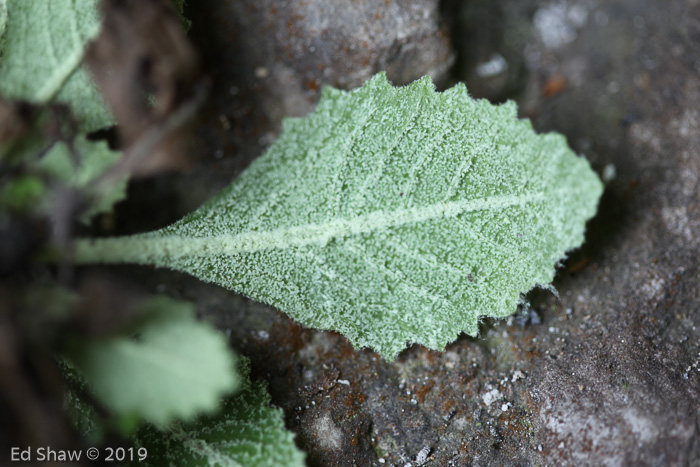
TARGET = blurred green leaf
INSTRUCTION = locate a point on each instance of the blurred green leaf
(41, 56)
(247, 432)
(173, 366)
(22, 193)
(81, 169)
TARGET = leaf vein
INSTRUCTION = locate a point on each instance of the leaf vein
(418, 289)
(425, 156)
(54, 83)
(344, 155)
(178, 246)
(426, 258)
(47, 32)
(379, 170)
(507, 253)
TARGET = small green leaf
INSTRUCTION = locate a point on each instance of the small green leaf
(392, 215)
(41, 56)
(21, 193)
(174, 367)
(247, 432)
(91, 160)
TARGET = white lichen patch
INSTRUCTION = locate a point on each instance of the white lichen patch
(643, 427)
(557, 24)
(422, 456)
(688, 125)
(492, 396)
(653, 289)
(494, 66)
(647, 134)
(565, 420)
(451, 359)
(328, 435)
(676, 220)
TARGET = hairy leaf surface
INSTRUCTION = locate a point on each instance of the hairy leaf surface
(41, 56)
(392, 215)
(247, 432)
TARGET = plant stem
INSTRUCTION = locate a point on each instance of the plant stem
(113, 250)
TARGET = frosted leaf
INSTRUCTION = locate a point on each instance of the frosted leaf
(42, 45)
(391, 214)
(246, 432)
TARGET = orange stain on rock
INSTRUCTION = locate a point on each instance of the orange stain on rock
(554, 85)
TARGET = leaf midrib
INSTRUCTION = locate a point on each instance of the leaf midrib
(145, 249)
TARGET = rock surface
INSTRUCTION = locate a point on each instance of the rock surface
(606, 374)
(275, 56)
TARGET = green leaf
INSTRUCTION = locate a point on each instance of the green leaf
(392, 215)
(82, 414)
(41, 61)
(3, 22)
(180, 6)
(173, 368)
(41, 56)
(92, 160)
(21, 193)
(247, 432)
(84, 166)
